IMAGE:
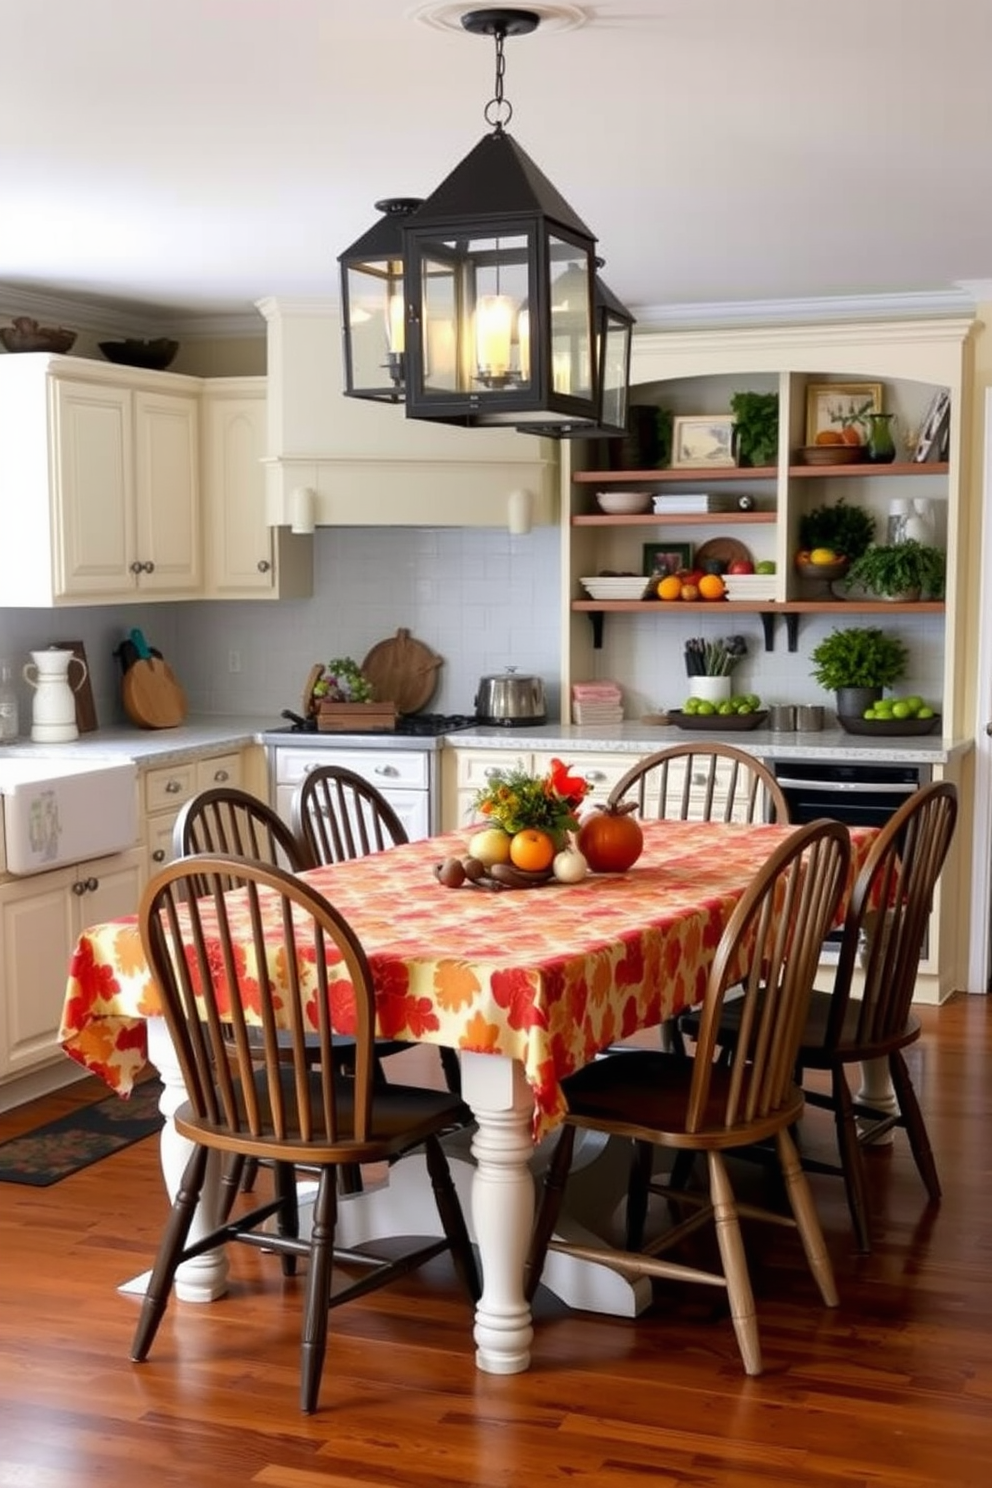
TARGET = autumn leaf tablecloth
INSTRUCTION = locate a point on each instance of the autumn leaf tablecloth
(548, 976)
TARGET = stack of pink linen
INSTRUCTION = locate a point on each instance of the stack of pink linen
(596, 702)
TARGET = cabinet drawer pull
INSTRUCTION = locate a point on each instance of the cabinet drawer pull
(593, 775)
(221, 775)
(173, 787)
(491, 772)
(158, 856)
(388, 770)
(264, 565)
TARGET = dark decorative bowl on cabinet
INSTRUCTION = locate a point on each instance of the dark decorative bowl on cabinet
(154, 356)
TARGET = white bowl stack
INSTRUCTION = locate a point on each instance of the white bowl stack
(747, 587)
(624, 503)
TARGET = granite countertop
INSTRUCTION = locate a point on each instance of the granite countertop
(199, 734)
(641, 738)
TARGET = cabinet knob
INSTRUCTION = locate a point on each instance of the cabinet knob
(221, 775)
(136, 567)
(149, 567)
(79, 888)
(173, 787)
(264, 565)
(92, 884)
(158, 856)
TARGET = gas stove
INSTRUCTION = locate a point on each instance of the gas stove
(417, 725)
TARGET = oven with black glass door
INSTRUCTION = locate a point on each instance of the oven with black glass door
(859, 793)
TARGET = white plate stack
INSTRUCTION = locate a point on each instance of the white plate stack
(615, 586)
(748, 587)
(597, 702)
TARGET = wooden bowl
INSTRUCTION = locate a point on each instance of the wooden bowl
(832, 454)
(155, 356)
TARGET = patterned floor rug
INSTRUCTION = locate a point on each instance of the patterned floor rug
(50, 1153)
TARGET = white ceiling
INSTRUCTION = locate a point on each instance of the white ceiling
(197, 155)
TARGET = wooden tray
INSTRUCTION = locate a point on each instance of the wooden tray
(403, 671)
(356, 718)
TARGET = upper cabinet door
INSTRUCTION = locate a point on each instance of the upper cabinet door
(167, 492)
(93, 493)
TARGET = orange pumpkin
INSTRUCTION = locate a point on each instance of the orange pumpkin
(610, 839)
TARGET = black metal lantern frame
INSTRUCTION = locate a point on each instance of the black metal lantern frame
(373, 306)
(493, 337)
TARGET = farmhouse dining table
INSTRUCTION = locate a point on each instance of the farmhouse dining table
(528, 985)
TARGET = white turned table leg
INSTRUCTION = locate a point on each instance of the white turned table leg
(205, 1278)
(876, 1091)
(502, 1207)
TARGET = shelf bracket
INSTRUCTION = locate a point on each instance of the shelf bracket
(792, 630)
(596, 618)
(768, 626)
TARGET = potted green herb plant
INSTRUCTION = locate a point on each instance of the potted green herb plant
(756, 427)
(856, 663)
(900, 571)
(839, 528)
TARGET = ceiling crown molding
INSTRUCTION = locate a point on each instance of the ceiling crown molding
(81, 313)
(835, 308)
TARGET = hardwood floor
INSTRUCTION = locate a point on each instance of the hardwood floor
(892, 1390)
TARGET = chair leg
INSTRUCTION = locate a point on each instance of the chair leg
(232, 1173)
(912, 1116)
(728, 1236)
(170, 1253)
(851, 1159)
(250, 1174)
(547, 1215)
(451, 1066)
(288, 1213)
(313, 1345)
(638, 1190)
(452, 1218)
(807, 1221)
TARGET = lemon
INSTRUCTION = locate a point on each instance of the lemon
(823, 556)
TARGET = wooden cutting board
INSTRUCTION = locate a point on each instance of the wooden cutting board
(152, 696)
(403, 671)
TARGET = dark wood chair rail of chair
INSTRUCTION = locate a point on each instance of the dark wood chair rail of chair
(290, 1111)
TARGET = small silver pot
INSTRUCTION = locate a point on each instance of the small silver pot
(510, 701)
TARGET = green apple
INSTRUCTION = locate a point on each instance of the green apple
(925, 712)
(766, 566)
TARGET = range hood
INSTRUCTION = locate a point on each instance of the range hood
(334, 461)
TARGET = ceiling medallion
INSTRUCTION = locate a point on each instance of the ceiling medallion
(443, 15)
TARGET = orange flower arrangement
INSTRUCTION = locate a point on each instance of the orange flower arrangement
(515, 800)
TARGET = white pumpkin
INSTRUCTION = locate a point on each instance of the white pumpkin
(569, 866)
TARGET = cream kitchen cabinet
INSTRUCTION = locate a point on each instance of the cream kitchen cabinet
(166, 788)
(105, 467)
(467, 771)
(41, 918)
(244, 557)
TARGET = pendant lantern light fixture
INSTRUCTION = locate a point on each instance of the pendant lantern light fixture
(505, 321)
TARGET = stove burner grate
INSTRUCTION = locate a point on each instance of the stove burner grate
(424, 725)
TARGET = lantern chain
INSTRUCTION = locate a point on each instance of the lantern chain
(499, 111)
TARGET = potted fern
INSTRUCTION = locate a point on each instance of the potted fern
(905, 571)
(855, 663)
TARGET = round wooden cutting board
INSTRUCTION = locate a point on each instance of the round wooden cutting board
(403, 671)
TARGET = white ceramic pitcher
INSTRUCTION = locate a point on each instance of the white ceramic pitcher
(53, 714)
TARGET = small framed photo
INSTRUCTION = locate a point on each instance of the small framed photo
(701, 440)
(662, 558)
(933, 430)
(838, 405)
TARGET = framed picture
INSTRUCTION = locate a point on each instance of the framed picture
(835, 405)
(663, 558)
(701, 440)
(934, 429)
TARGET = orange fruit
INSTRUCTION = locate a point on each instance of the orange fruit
(828, 436)
(532, 850)
(669, 587)
(711, 586)
(851, 435)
